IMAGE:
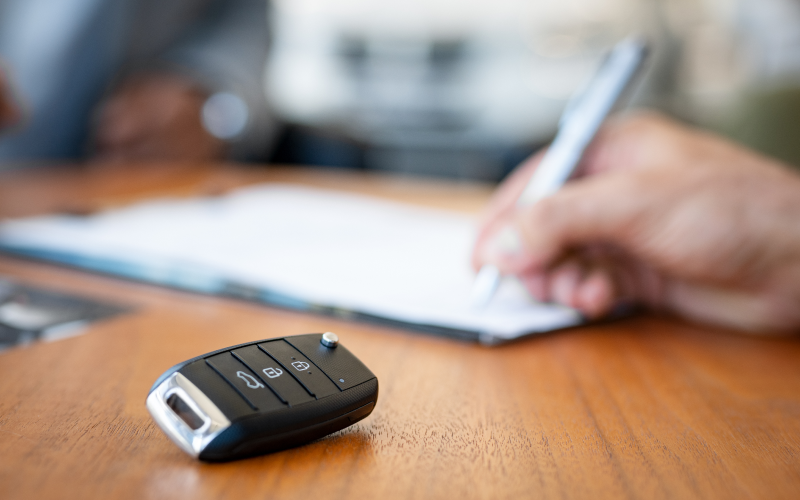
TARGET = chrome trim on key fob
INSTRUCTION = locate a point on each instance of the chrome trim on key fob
(191, 441)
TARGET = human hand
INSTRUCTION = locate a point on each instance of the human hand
(662, 215)
(154, 117)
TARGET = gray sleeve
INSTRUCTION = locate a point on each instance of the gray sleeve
(226, 51)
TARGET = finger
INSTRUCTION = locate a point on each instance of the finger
(589, 284)
(564, 281)
(502, 244)
(537, 285)
(592, 281)
(602, 209)
(505, 197)
(596, 295)
(502, 205)
(635, 142)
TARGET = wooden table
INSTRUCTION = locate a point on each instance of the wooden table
(642, 408)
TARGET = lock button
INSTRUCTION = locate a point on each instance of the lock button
(246, 383)
(273, 374)
(315, 381)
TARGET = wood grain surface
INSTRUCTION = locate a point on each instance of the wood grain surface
(645, 408)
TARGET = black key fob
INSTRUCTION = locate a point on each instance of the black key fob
(262, 396)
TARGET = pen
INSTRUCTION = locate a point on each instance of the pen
(579, 123)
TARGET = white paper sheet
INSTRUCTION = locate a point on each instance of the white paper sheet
(356, 253)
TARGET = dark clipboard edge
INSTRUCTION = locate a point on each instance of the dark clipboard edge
(212, 286)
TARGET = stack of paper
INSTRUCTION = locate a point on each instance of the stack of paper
(301, 248)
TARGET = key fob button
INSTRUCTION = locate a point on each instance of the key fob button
(274, 374)
(260, 397)
(225, 397)
(339, 364)
(249, 385)
(315, 381)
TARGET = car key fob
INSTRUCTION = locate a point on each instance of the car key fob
(262, 396)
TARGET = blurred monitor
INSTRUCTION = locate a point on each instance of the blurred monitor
(456, 88)
(468, 88)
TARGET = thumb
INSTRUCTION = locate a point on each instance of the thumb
(502, 205)
(587, 210)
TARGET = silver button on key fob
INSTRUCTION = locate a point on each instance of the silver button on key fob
(262, 396)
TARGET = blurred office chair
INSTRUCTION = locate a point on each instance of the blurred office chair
(64, 56)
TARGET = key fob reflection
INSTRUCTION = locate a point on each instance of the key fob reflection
(262, 396)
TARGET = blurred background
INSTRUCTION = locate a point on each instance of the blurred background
(457, 89)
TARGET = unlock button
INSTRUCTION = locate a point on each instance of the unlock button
(299, 367)
(274, 374)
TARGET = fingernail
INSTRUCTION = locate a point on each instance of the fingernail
(504, 245)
